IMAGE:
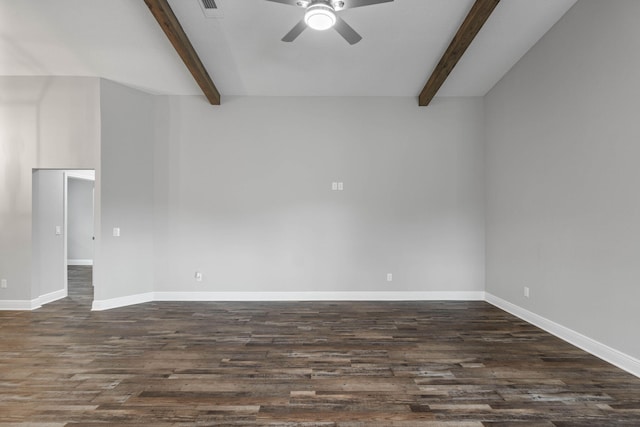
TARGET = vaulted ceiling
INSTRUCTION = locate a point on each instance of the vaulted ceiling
(402, 43)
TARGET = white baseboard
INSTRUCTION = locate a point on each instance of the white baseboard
(22, 305)
(604, 352)
(318, 296)
(107, 304)
(79, 262)
(47, 298)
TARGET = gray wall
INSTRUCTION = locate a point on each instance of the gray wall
(243, 193)
(48, 247)
(79, 220)
(563, 211)
(124, 265)
(45, 122)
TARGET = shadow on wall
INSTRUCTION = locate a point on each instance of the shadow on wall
(45, 123)
(20, 143)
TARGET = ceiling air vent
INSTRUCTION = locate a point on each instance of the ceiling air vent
(210, 9)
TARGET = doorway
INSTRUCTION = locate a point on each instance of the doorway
(79, 223)
(62, 234)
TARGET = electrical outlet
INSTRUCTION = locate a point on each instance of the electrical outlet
(389, 277)
(3, 283)
(340, 186)
(334, 186)
(198, 276)
(116, 231)
(526, 291)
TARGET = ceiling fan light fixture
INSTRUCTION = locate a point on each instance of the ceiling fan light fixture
(320, 17)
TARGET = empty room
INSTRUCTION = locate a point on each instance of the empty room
(319, 213)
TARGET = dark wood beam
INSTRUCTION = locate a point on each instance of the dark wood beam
(178, 38)
(478, 15)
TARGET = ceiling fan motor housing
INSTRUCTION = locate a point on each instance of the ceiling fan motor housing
(320, 16)
(336, 4)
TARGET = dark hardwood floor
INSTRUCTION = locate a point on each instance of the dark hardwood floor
(298, 364)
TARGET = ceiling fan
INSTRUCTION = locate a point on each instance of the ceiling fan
(321, 15)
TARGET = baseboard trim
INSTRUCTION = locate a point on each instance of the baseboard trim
(34, 304)
(107, 304)
(602, 351)
(318, 296)
(47, 298)
(99, 305)
(79, 262)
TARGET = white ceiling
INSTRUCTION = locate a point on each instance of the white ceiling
(402, 42)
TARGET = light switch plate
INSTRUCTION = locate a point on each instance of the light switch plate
(116, 231)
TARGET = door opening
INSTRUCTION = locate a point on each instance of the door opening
(79, 220)
(62, 233)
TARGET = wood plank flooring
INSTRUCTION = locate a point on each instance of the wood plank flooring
(298, 364)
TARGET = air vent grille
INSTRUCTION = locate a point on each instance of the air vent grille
(209, 4)
(210, 8)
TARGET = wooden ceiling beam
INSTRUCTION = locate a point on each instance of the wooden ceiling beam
(477, 16)
(178, 38)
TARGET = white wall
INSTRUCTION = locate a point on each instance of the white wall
(45, 122)
(79, 221)
(124, 265)
(48, 246)
(243, 193)
(563, 206)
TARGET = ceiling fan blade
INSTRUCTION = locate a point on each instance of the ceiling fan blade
(295, 32)
(345, 30)
(350, 4)
(289, 2)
